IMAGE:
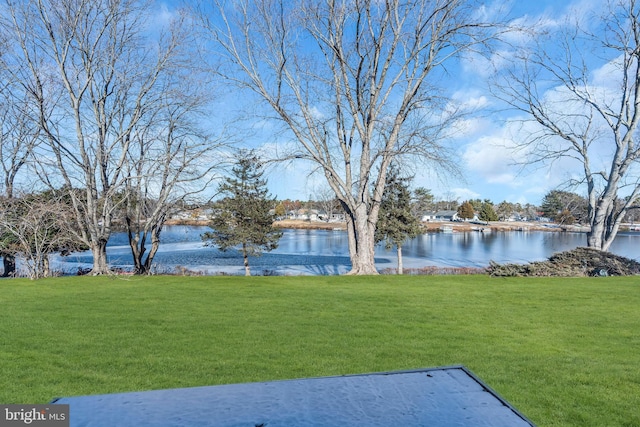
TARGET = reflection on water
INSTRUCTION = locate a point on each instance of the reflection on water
(322, 252)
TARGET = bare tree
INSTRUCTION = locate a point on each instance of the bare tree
(18, 138)
(171, 161)
(326, 201)
(593, 123)
(93, 68)
(354, 82)
(19, 133)
(35, 226)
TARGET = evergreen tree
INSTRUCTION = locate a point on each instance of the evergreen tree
(556, 204)
(504, 210)
(551, 204)
(396, 223)
(486, 212)
(422, 202)
(477, 204)
(465, 210)
(243, 217)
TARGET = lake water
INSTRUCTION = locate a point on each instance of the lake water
(325, 252)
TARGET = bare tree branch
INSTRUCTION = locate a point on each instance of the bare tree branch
(594, 123)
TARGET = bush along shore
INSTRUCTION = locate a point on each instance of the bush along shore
(579, 262)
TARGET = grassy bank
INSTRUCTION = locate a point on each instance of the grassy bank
(563, 351)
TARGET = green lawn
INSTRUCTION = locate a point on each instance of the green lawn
(563, 351)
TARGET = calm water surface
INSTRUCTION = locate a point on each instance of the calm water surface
(320, 252)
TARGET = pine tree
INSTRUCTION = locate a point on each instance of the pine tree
(487, 213)
(556, 202)
(551, 204)
(396, 223)
(243, 217)
(422, 201)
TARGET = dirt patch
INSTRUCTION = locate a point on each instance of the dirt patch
(580, 262)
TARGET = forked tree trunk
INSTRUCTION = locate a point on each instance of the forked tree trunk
(604, 224)
(601, 237)
(137, 242)
(142, 265)
(594, 237)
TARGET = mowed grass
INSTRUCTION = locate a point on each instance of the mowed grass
(565, 352)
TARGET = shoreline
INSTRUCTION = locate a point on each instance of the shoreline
(429, 227)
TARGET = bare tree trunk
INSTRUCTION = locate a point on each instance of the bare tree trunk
(46, 269)
(137, 245)
(595, 235)
(99, 252)
(362, 254)
(138, 250)
(605, 224)
(594, 238)
(142, 265)
(400, 267)
(9, 263)
(155, 244)
(245, 256)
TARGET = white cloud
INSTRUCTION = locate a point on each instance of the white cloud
(470, 100)
(465, 194)
(498, 160)
(609, 76)
(493, 157)
(163, 17)
(471, 126)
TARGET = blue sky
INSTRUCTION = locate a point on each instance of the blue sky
(489, 167)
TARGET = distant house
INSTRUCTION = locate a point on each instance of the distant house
(199, 214)
(338, 217)
(474, 219)
(333, 217)
(515, 216)
(305, 215)
(313, 215)
(428, 216)
(440, 216)
(447, 216)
